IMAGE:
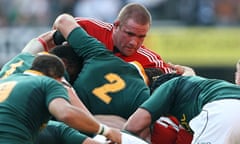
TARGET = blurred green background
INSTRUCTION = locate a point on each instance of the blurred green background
(196, 46)
(211, 51)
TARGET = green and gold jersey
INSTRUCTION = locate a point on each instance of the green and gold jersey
(24, 100)
(18, 64)
(184, 97)
(106, 84)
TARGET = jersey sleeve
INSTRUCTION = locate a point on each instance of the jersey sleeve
(18, 64)
(55, 90)
(85, 45)
(100, 30)
(160, 101)
(93, 26)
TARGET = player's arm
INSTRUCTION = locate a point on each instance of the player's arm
(80, 120)
(138, 122)
(44, 42)
(74, 99)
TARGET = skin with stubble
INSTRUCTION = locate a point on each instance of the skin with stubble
(130, 28)
(129, 36)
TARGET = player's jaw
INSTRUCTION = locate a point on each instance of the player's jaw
(128, 50)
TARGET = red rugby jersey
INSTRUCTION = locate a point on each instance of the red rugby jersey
(103, 32)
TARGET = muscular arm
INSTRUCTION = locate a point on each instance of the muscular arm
(79, 119)
(73, 116)
(74, 99)
(138, 122)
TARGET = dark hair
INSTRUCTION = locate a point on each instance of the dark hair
(65, 51)
(135, 11)
(73, 62)
(152, 74)
(49, 65)
(161, 79)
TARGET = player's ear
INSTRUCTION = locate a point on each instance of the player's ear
(116, 23)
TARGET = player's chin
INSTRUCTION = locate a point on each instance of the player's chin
(129, 52)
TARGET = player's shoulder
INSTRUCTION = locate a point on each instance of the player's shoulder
(144, 52)
(143, 48)
(93, 21)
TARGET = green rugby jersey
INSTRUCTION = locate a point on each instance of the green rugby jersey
(184, 97)
(106, 83)
(18, 64)
(24, 100)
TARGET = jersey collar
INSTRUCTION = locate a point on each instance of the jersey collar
(33, 73)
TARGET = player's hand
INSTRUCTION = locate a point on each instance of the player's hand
(65, 24)
(58, 38)
(48, 39)
(237, 73)
(114, 135)
(183, 70)
(237, 78)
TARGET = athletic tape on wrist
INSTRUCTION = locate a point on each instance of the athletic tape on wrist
(103, 130)
(106, 130)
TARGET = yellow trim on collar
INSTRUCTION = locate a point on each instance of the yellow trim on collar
(43, 53)
(141, 71)
(33, 72)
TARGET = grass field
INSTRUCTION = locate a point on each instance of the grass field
(196, 46)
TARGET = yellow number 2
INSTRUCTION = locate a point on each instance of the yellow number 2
(116, 83)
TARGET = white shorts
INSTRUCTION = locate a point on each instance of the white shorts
(218, 123)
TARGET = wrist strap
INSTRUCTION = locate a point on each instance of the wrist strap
(44, 44)
(103, 130)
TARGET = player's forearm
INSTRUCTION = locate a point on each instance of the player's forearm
(44, 42)
(75, 101)
(81, 120)
(138, 121)
(73, 97)
(75, 117)
(33, 47)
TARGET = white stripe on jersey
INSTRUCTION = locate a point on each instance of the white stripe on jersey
(102, 24)
(153, 58)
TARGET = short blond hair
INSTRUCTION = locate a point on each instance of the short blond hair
(135, 11)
